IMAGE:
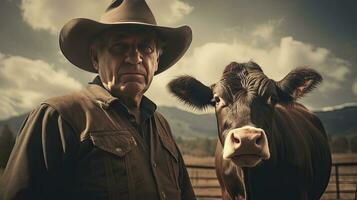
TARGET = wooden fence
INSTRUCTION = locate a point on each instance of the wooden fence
(342, 185)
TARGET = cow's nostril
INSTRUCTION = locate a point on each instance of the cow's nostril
(258, 140)
(235, 139)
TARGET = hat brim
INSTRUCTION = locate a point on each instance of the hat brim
(75, 38)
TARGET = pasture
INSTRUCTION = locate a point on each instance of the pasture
(206, 186)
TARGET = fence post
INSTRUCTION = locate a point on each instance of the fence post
(337, 182)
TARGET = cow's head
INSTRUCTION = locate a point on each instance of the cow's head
(244, 100)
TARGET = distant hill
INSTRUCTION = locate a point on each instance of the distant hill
(14, 123)
(187, 124)
(340, 120)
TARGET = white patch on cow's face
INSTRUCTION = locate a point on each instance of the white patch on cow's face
(246, 146)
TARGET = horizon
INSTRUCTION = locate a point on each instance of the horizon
(205, 112)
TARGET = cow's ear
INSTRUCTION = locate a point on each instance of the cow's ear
(299, 82)
(191, 91)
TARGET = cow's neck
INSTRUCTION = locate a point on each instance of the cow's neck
(247, 183)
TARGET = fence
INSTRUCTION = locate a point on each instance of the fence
(342, 185)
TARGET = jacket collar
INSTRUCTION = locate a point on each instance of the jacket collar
(105, 100)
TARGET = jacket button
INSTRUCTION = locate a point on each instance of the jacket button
(118, 150)
(154, 164)
(132, 139)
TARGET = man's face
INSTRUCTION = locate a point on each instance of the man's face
(127, 62)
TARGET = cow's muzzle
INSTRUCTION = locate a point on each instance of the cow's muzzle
(246, 146)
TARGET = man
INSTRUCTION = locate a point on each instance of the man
(106, 141)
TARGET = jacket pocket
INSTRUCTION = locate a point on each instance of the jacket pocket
(118, 143)
(110, 161)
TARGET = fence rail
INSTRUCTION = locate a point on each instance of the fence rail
(342, 185)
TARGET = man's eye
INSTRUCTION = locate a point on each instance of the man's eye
(119, 48)
(146, 49)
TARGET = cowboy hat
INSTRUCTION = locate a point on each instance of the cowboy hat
(76, 35)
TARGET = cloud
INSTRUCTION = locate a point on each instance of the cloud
(51, 15)
(206, 62)
(25, 83)
(266, 31)
(169, 12)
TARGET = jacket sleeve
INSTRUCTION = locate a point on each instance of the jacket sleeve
(40, 163)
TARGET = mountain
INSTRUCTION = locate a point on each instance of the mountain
(14, 123)
(338, 120)
(186, 124)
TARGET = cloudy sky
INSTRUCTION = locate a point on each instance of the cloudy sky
(277, 34)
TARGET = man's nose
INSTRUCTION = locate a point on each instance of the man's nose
(134, 56)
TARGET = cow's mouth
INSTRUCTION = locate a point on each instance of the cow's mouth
(247, 160)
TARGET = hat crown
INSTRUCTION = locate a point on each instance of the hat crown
(128, 11)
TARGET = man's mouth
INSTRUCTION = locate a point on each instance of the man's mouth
(132, 77)
(133, 74)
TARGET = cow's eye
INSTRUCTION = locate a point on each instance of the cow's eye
(272, 100)
(217, 100)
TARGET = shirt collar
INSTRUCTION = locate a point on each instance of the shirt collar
(106, 100)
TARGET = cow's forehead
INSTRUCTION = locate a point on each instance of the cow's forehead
(231, 79)
(252, 81)
(227, 88)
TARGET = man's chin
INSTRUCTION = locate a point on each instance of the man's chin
(132, 88)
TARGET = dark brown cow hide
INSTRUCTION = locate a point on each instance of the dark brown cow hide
(270, 146)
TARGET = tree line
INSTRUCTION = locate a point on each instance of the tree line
(206, 147)
(343, 143)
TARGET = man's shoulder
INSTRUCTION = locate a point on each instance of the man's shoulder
(68, 101)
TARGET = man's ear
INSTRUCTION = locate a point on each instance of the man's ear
(94, 56)
(157, 63)
(299, 82)
(191, 91)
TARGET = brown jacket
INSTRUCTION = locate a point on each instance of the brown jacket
(79, 147)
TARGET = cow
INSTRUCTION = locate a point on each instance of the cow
(269, 145)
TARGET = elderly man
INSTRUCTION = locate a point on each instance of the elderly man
(106, 141)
